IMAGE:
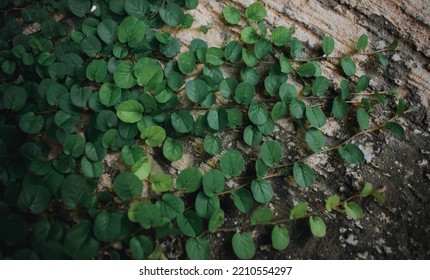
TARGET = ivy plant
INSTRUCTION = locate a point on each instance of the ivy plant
(107, 80)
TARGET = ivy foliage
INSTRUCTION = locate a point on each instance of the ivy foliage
(107, 79)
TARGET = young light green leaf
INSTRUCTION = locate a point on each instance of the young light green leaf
(142, 168)
(280, 36)
(298, 211)
(332, 202)
(153, 135)
(249, 35)
(367, 190)
(353, 210)
(161, 182)
(318, 227)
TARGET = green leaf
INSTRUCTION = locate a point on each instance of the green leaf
(298, 211)
(31, 123)
(205, 206)
(14, 98)
(262, 49)
(287, 92)
(172, 149)
(332, 202)
(318, 227)
(171, 14)
(280, 36)
(130, 155)
(213, 182)
(362, 84)
(271, 152)
(363, 119)
(198, 249)
(79, 242)
(307, 70)
(255, 12)
(214, 56)
(244, 93)
(395, 129)
(74, 145)
(196, 90)
(91, 46)
(96, 71)
(261, 190)
(107, 31)
(303, 174)
(257, 113)
(234, 117)
(316, 116)
(107, 226)
(148, 215)
(351, 153)
(74, 191)
(190, 179)
(183, 121)
(243, 245)
(272, 84)
(141, 168)
(243, 200)
(35, 198)
(127, 185)
(340, 108)
(348, 66)
(186, 63)
(141, 247)
(320, 86)
(353, 210)
(249, 35)
(279, 111)
(216, 220)
(91, 169)
(315, 139)
(80, 96)
(150, 76)
(328, 45)
(109, 94)
(191, 4)
(137, 8)
(130, 111)
(232, 164)
(171, 206)
(261, 216)
(79, 7)
(190, 223)
(161, 182)
(252, 136)
(132, 31)
(367, 190)
(227, 87)
(362, 43)
(217, 119)
(296, 48)
(280, 238)
(231, 15)
(382, 59)
(154, 135)
(212, 144)
(249, 58)
(123, 75)
(400, 107)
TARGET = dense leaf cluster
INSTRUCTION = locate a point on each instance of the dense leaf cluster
(106, 77)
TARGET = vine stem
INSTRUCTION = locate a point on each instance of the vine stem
(344, 56)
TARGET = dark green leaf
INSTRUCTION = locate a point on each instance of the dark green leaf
(141, 247)
(328, 45)
(171, 14)
(183, 121)
(362, 43)
(127, 185)
(79, 242)
(190, 223)
(35, 198)
(186, 63)
(303, 174)
(280, 238)
(363, 118)
(171, 206)
(172, 149)
(348, 66)
(340, 108)
(315, 139)
(249, 35)
(231, 15)
(320, 86)
(362, 84)
(205, 206)
(261, 190)
(108, 30)
(351, 153)
(232, 164)
(243, 200)
(216, 220)
(131, 31)
(212, 144)
(261, 216)
(395, 129)
(189, 179)
(255, 12)
(107, 226)
(213, 182)
(198, 249)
